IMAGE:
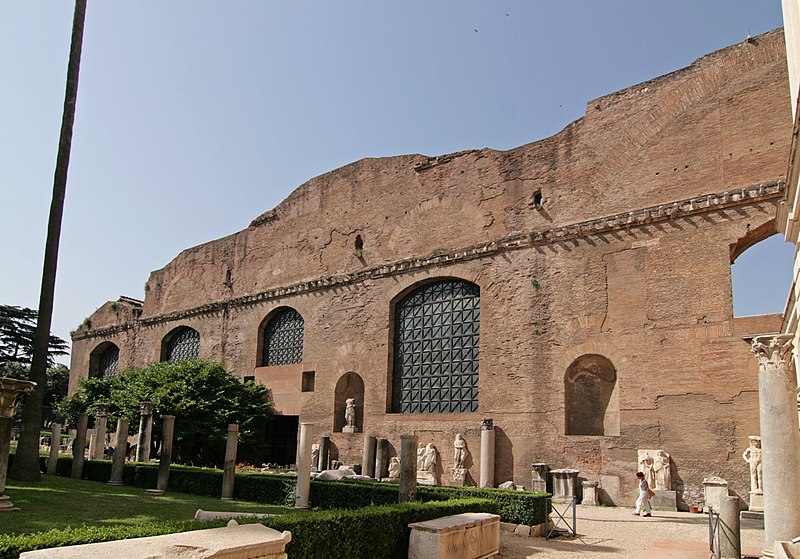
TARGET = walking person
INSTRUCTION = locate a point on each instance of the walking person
(643, 502)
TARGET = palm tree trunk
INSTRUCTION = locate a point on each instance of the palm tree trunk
(26, 460)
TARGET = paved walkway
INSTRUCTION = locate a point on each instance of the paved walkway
(606, 532)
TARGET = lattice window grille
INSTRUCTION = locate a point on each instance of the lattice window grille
(184, 345)
(109, 360)
(283, 339)
(436, 349)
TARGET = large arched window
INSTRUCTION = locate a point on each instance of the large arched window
(181, 344)
(591, 402)
(103, 361)
(283, 339)
(436, 342)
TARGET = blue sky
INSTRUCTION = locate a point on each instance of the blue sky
(194, 117)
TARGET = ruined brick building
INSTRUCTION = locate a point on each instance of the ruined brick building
(576, 290)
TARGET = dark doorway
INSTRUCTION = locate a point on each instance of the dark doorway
(282, 438)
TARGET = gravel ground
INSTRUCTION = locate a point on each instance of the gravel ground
(615, 532)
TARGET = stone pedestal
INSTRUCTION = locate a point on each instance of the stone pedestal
(304, 466)
(349, 429)
(664, 500)
(715, 491)
(382, 458)
(98, 448)
(487, 453)
(470, 535)
(165, 461)
(780, 443)
(408, 468)
(79, 447)
(11, 392)
(368, 456)
(590, 494)
(229, 473)
(120, 452)
(55, 443)
(144, 436)
(565, 482)
(756, 501)
(539, 473)
(458, 477)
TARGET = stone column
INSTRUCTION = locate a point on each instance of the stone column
(165, 461)
(79, 447)
(304, 465)
(408, 468)
(55, 443)
(487, 453)
(780, 443)
(539, 472)
(730, 541)
(120, 451)
(382, 458)
(11, 393)
(368, 456)
(324, 453)
(145, 432)
(229, 474)
(97, 451)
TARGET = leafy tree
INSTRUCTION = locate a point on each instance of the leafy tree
(17, 326)
(202, 395)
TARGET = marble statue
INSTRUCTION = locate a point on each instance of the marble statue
(394, 468)
(426, 465)
(752, 455)
(460, 451)
(655, 465)
(315, 456)
(350, 411)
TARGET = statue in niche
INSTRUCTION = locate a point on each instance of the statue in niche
(752, 455)
(315, 457)
(350, 416)
(394, 468)
(460, 451)
(663, 471)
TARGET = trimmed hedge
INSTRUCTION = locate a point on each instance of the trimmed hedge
(370, 533)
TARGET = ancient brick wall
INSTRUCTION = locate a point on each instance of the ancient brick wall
(627, 257)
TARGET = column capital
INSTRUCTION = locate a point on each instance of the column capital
(146, 408)
(101, 409)
(773, 350)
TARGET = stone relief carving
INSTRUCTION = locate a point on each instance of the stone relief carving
(655, 465)
(752, 455)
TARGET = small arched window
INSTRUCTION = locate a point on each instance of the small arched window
(283, 339)
(182, 344)
(104, 360)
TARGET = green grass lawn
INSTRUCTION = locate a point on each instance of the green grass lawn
(59, 502)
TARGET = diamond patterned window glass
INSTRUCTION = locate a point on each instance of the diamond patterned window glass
(283, 339)
(184, 345)
(436, 345)
(108, 362)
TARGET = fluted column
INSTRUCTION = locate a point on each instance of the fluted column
(780, 442)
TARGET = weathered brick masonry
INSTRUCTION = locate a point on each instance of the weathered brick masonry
(645, 201)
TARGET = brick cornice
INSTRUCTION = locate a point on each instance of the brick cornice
(697, 205)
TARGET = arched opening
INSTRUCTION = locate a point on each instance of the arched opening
(104, 361)
(282, 338)
(761, 272)
(350, 385)
(435, 349)
(181, 344)
(590, 397)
